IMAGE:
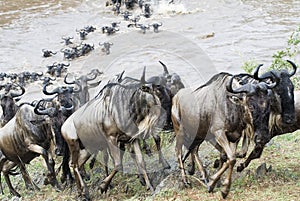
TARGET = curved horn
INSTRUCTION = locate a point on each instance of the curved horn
(166, 72)
(79, 87)
(56, 90)
(244, 89)
(110, 43)
(65, 64)
(274, 84)
(255, 73)
(100, 44)
(160, 24)
(65, 79)
(48, 111)
(294, 68)
(13, 95)
(40, 73)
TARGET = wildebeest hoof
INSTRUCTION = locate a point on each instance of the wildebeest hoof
(166, 165)
(191, 170)
(216, 163)
(224, 194)
(142, 180)
(103, 187)
(84, 198)
(15, 193)
(240, 168)
(205, 181)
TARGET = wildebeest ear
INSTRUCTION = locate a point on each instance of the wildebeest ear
(236, 99)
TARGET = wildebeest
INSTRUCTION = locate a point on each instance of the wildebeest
(48, 53)
(119, 114)
(8, 102)
(84, 82)
(155, 26)
(67, 40)
(106, 47)
(23, 138)
(218, 113)
(282, 117)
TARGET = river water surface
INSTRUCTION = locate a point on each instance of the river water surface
(240, 30)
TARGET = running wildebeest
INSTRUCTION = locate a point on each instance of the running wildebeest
(103, 123)
(23, 138)
(219, 113)
(282, 117)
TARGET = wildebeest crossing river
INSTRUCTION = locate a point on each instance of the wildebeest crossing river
(196, 39)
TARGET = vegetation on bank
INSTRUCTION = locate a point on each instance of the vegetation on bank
(291, 52)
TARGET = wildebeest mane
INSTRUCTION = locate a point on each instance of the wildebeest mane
(213, 79)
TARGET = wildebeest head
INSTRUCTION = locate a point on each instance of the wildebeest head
(57, 117)
(283, 94)
(255, 100)
(8, 102)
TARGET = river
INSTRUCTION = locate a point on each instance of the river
(198, 38)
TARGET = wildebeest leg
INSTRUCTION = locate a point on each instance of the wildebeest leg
(75, 151)
(245, 145)
(66, 172)
(229, 149)
(93, 160)
(49, 161)
(116, 156)
(178, 149)
(28, 181)
(191, 170)
(5, 168)
(194, 154)
(141, 163)
(162, 160)
(146, 148)
(83, 157)
(256, 153)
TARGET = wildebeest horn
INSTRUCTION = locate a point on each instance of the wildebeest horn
(274, 84)
(79, 87)
(13, 95)
(48, 111)
(101, 43)
(244, 89)
(120, 76)
(166, 72)
(94, 73)
(255, 74)
(65, 79)
(294, 68)
(110, 43)
(40, 73)
(56, 90)
(143, 80)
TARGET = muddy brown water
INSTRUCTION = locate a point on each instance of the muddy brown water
(197, 39)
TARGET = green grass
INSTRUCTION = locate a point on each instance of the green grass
(281, 183)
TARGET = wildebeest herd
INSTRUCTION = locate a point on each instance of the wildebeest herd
(128, 111)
